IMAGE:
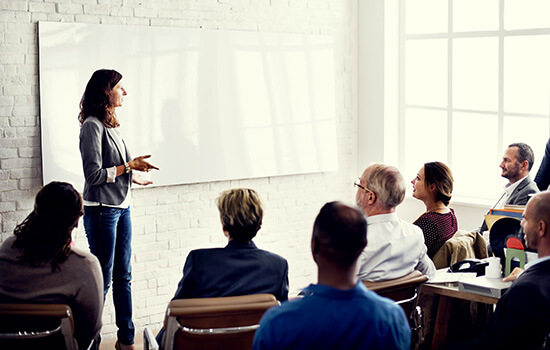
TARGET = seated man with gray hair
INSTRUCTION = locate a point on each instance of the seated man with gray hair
(396, 247)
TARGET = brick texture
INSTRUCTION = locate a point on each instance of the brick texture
(169, 222)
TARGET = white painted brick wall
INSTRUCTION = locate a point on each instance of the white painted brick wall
(168, 222)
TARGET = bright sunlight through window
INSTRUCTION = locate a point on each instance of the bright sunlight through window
(474, 77)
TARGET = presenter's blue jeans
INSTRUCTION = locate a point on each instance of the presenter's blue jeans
(109, 233)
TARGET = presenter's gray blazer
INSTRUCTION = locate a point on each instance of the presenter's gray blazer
(100, 150)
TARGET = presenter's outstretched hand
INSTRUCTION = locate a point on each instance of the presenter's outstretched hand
(140, 164)
(137, 179)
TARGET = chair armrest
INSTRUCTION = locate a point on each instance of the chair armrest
(149, 341)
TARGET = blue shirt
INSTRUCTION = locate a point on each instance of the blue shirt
(330, 318)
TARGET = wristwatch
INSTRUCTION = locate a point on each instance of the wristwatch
(127, 168)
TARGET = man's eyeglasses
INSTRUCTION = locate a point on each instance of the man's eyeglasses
(364, 188)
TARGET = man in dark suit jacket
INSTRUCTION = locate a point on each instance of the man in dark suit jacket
(521, 318)
(516, 163)
(240, 268)
(543, 175)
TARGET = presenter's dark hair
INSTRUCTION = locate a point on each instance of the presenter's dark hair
(340, 233)
(96, 100)
(241, 213)
(441, 176)
(45, 235)
(525, 153)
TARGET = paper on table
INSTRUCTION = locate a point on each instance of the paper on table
(443, 276)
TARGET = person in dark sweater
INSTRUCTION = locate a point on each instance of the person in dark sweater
(39, 264)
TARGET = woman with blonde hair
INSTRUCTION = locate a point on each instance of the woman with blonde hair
(433, 185)
(246, 268)
(239, 268)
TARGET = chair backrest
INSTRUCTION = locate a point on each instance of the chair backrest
(214, 323)
(36, 326)
(402, 290)
(501, 230)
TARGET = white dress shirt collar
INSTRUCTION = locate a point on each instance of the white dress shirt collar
(538, 261)
(508, 189)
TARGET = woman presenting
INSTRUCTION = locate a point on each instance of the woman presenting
(433, 185)
(108, 174)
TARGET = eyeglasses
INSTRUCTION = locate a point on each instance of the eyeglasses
(358, 184)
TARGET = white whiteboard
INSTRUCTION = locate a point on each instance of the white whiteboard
(207, 104)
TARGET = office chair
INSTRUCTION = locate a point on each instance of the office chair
(404, 291)
(501, 230)
(36, 326)
(212, 323)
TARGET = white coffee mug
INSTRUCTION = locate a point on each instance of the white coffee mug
(493, 270)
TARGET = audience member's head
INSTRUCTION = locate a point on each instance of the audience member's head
(535, 223)
(339, 235)
(434, 180)
(46, 232)
(241, 213)
(381, 188)
(517, 161)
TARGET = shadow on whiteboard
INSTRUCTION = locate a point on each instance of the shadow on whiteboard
(208, 105)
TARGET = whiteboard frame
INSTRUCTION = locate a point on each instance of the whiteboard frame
(247, 105)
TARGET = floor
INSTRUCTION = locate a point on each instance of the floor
(109, 344)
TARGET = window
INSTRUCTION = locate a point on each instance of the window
(474, 76)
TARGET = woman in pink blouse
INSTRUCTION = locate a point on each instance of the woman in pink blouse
(433, 185)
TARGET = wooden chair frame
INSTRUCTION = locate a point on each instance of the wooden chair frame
(404, 291)
(42, 322)
(210, 323)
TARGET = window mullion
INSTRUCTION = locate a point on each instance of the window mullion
(401, 86)
(500, 111)
(450, 83)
